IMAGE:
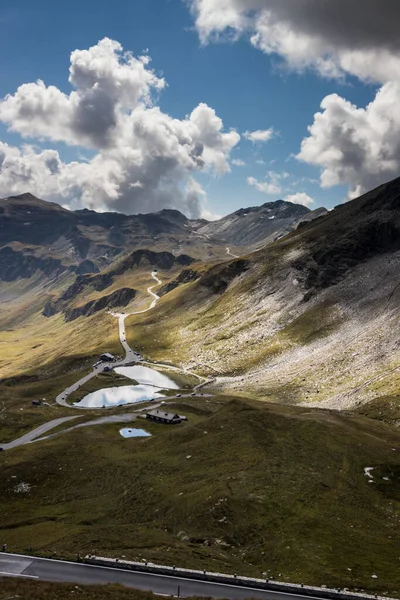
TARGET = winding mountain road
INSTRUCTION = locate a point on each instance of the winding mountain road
(131, 356)
(228, 251)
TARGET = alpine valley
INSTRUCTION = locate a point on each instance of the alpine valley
(279, 327)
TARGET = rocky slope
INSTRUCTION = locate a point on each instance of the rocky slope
(119, 298)
(266, 223)
(73, 301)
(312, 317)
(35, 234)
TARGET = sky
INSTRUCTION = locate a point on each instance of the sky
(201, 105)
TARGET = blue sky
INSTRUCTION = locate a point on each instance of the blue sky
(248, 89)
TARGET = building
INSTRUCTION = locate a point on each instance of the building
(107, 357)
(161, 416)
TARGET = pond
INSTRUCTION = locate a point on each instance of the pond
(128, 433)
(117, 396)
(148, 376)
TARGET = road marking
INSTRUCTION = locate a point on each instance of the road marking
(167, 575)
(4, 574)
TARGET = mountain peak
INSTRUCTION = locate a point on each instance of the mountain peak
(28, 199)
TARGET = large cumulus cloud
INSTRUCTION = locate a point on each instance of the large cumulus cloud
(332, 36)
(144, 158)
(358, 146)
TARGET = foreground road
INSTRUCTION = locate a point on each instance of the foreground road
(53, 570)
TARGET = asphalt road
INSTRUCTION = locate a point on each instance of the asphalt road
(60, 571)
(39, 431)
(130, 355)
(228, 251)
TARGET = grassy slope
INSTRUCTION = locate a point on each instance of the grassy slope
(30, 340)
(337, 349)
(266, 489)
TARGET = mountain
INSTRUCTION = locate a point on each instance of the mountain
(259, 480)
(265, 223)
(310, 318)
(39, 235)
(35, 234)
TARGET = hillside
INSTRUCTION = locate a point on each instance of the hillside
(312, 318)
(242, 487)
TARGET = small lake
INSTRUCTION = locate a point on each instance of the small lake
(129, 433)
(148, 376)
(117, 396)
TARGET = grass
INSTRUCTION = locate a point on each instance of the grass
(383, 408)
(17, 415)
(29, 340)
(182, 326)
(266, 488)
(313, 324)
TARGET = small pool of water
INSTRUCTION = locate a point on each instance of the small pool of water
(128, 433)
(117, 396)
(148, 376)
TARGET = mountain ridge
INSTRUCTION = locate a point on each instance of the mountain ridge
(310, 318)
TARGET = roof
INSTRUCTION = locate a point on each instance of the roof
(161, 414)
(108, 355)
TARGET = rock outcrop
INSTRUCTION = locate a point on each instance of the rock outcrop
(120, 297)
(219, 277)
(184, 276)
(15, 264)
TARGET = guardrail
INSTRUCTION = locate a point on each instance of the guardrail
(235, 580)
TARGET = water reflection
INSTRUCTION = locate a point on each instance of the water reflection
(117, 396)
(148, 376)
(128, 433)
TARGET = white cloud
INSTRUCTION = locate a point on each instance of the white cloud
(261, 135)
(353, 145)
(333, 37)
(356, 146)
(272, 184)
(108, 82)
(238, 162)
(143, 155)
(300, 198)
(194, 190)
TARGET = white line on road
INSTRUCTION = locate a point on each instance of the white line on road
(4, 574)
